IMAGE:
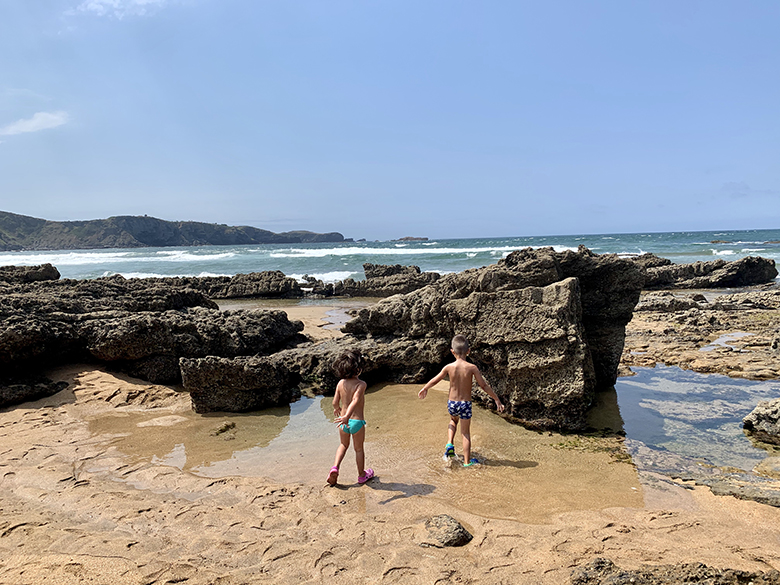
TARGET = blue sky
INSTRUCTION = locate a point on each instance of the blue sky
(382, 119)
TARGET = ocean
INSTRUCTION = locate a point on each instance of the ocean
(331, 262)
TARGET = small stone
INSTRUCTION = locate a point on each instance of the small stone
(447, 531)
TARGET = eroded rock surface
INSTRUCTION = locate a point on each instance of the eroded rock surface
(763, 423)
(139, 326)
(602, 571)
(733, 334)
(748, 271)
(25, 274)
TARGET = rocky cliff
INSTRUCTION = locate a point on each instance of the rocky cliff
(19, 232)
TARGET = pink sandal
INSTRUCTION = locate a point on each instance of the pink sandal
(368, 474)
(333, 476)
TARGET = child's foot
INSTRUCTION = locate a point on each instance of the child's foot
(449, 450)
(333, 476)
(473, 461)
(368, 474)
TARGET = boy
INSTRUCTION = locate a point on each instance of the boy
(461, 373)
(351, 391)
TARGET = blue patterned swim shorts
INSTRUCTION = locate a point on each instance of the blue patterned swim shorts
(459, 408)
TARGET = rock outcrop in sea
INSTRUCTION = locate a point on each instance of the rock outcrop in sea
(748, 271)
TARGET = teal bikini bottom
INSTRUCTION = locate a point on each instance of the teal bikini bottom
(352, 426)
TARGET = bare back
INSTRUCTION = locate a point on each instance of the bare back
(461, 374)
(351, 390)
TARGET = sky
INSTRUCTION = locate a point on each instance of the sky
(384, 119)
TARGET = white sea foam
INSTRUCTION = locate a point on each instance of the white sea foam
(470, 254)
(355, 251)
(65, 258)
(158, 275)
(723, 252)
(76, 258)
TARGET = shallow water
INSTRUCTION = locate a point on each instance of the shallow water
(525, 475)
(692, 415)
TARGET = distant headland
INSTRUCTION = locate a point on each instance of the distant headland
(20, 232)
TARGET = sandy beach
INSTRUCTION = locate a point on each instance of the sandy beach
(115, 480)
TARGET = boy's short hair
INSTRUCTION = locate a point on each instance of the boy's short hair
(349, 364)
(460, 345)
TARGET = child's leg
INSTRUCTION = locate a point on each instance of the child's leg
(342, 450)
(465, 431)
(360, 456)
(451, 428)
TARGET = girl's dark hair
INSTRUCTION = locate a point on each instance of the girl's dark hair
(349, 364)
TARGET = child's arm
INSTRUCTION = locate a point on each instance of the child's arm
(486, 387)
(356, 397)
(439, 377)
(337, 400)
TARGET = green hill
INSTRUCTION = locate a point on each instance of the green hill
(20, 232)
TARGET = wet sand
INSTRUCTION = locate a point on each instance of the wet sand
(117, 481)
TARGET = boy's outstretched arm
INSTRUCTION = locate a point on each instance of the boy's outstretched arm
(486, 387)
(439, 377)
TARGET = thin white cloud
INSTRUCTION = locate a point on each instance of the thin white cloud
(119, 8)
(40, 121)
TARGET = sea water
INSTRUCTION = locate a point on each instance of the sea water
(336, 261)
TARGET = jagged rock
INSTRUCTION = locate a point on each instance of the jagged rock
(242, 383)
(18, 390)
(447, 531)
(650, 260)
(747, 271)
(665, 302)
(385, 281)
(602, 571)
(139, 326)
(536, 331)
(218, 384)
(149, 345)
(383, 270)
(267, 284)
(25, 274)
(609, 287)
(763, 423)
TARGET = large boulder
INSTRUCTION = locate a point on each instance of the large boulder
(249, 383)
(747, 271)
(609, 289)
(763, 423)
(266, 284)
(25, 274)
(546, 328)
(384, 280)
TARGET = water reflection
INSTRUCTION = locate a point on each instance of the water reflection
(696, 416)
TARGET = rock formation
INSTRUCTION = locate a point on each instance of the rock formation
(385, 281)
(602, 571)
(547, 328)
(267, 284)
(748, 271)
(763, 423)
(25, 274)
(140, 327)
